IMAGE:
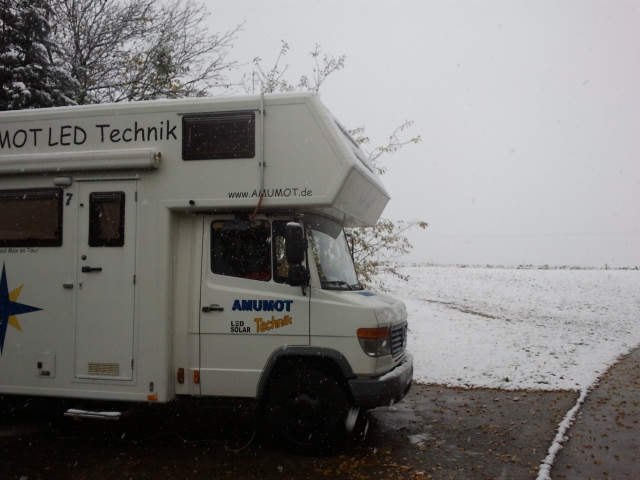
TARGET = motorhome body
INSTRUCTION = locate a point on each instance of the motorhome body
(191, 247)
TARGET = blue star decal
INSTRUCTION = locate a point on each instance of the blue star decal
(9, 308)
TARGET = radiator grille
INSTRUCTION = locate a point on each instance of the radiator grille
(398, 339)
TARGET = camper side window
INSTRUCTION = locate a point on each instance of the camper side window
(106, 219)
(31, 218)
(219, 135)
(240, 248)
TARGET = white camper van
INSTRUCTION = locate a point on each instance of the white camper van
(159, 249)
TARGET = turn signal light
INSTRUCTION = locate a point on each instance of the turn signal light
(375, 342)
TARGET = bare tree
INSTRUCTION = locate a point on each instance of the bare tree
(274, 80)
(122, 50)
(375, 249)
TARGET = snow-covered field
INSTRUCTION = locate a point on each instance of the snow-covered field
(518, 329)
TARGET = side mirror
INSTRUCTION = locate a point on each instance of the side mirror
(298, 275)
(296, 246)
(296, 243)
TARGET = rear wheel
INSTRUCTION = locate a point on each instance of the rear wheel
(307, 410)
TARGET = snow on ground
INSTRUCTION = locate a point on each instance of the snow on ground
(518, 329)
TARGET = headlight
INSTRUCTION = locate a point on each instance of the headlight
(376, 342)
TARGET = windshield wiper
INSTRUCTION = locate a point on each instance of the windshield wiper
(333, 284)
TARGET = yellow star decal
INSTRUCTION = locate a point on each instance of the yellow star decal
(13, 296)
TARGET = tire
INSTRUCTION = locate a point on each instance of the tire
(306, 411)
(361, 428)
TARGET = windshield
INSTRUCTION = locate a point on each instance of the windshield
(332, 257)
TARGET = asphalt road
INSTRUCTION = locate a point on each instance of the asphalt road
(604, 441)
(435, 432)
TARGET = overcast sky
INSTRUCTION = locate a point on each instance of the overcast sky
(528, 110)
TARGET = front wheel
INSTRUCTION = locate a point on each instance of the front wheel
(307, 410)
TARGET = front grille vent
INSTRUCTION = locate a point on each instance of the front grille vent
(398, 339)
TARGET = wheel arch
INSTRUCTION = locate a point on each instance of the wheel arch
(292, 358)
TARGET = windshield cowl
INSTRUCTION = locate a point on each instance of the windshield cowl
(340, 285)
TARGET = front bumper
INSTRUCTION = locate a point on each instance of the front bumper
(386, 390)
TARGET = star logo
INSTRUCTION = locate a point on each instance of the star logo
(10, 308)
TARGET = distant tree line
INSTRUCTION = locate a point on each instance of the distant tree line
(514, 267)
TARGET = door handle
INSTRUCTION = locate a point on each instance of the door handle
(91, 269)
(213, 308)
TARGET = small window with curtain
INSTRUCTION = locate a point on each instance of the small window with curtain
(31, 218)
(106, 219)
(219, 136)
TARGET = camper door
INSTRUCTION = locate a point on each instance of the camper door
(106, 267)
